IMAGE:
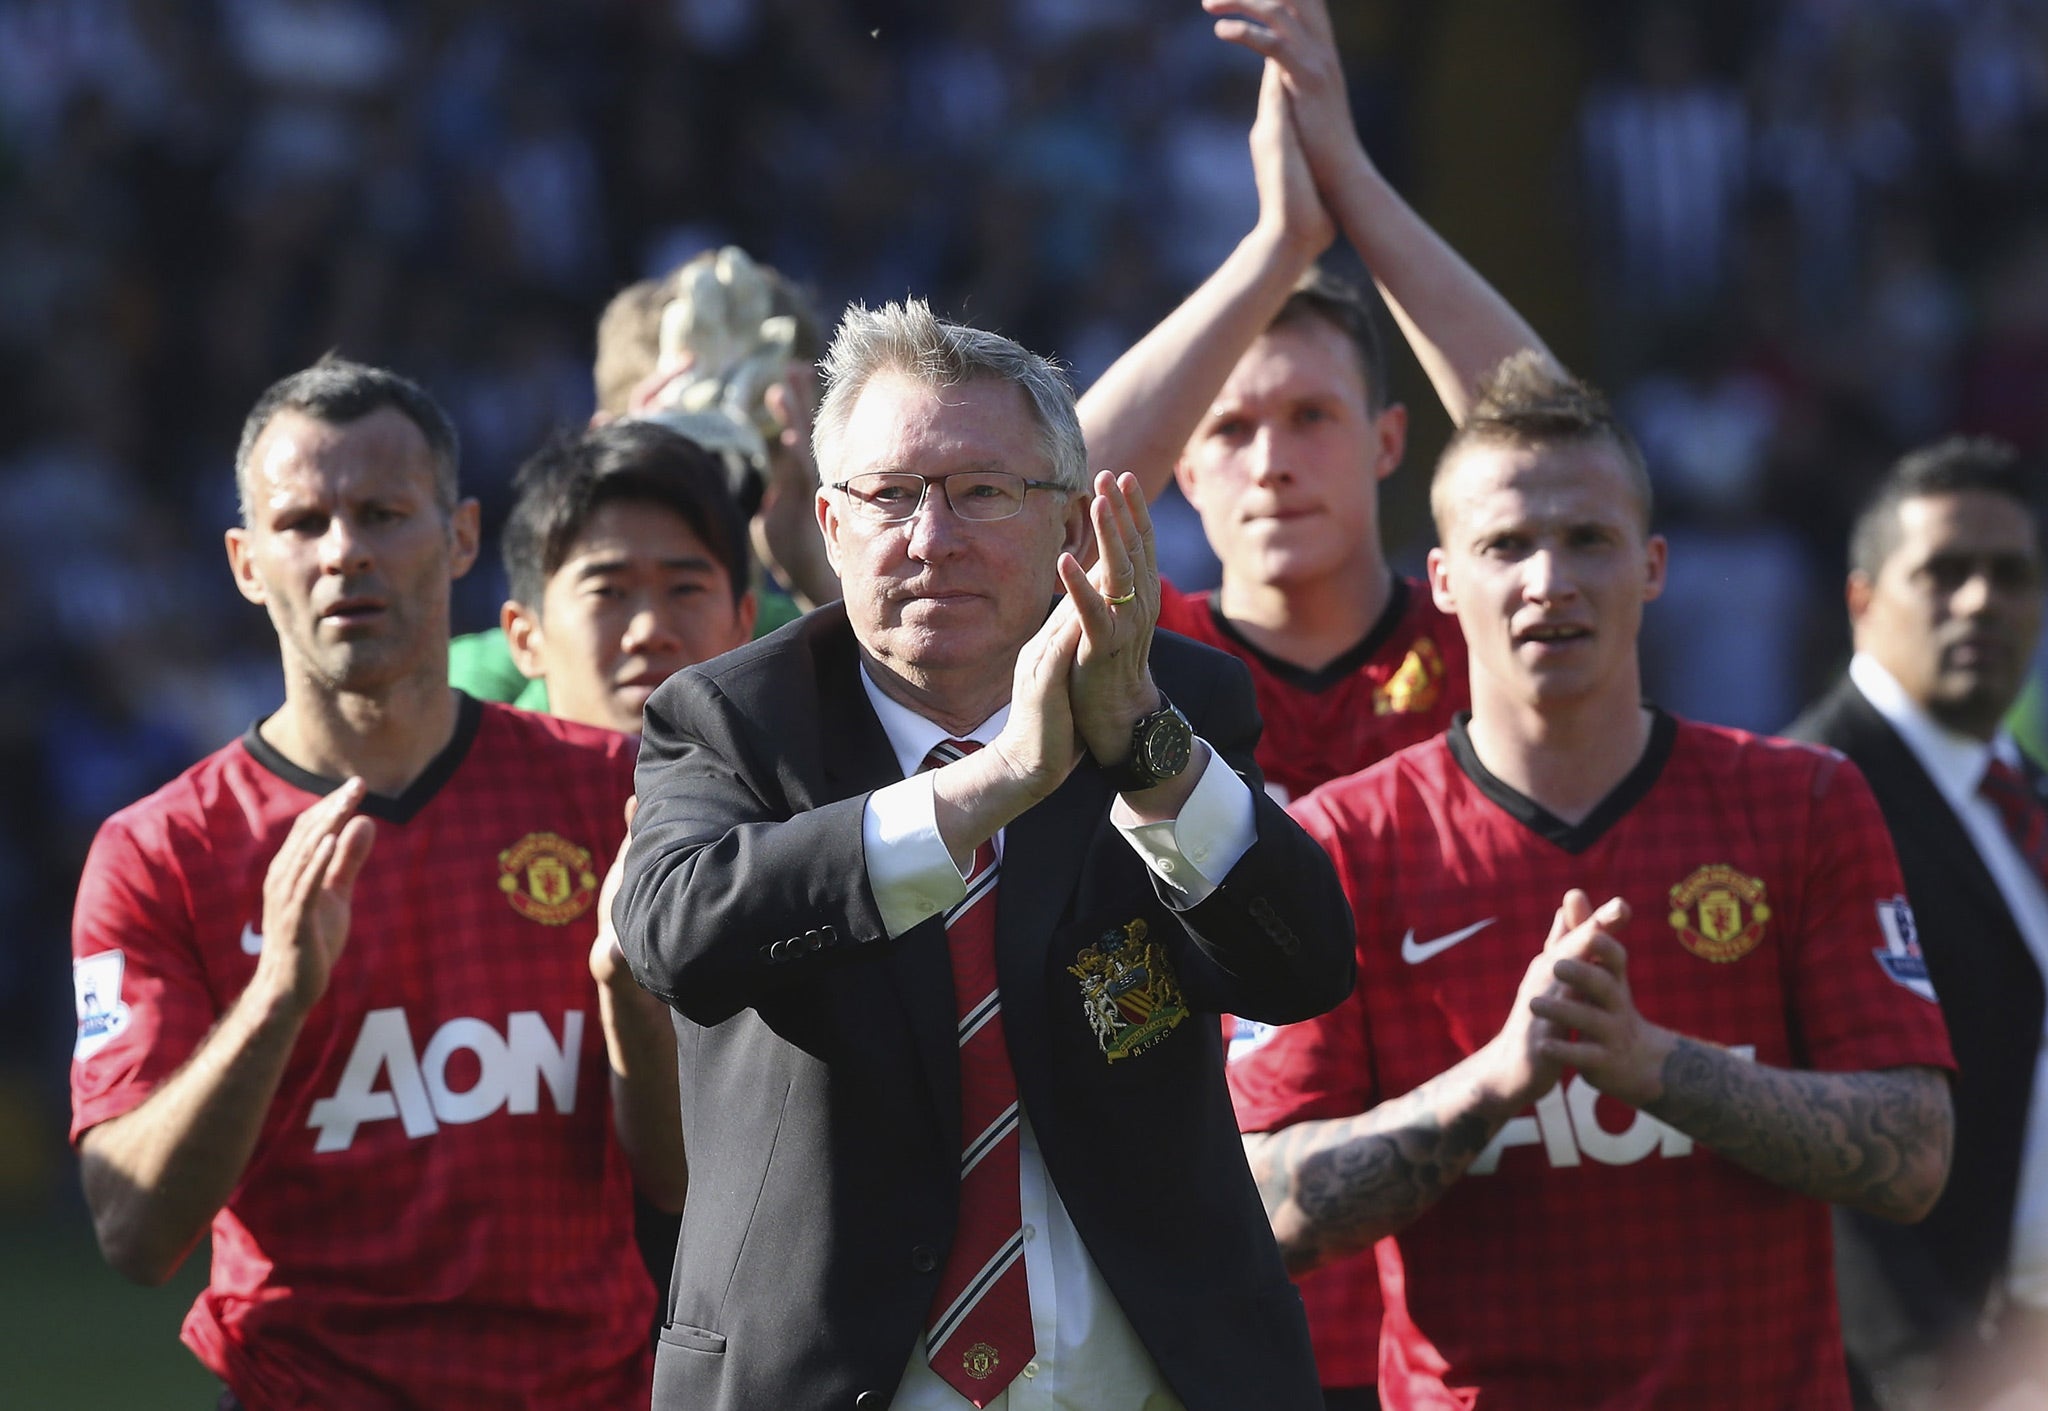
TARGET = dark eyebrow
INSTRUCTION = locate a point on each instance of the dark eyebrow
(688, 563)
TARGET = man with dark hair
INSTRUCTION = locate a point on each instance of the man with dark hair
(736, 377)
(1945, 597)
(1759, 1046)
(362, 1051)
(1266, 396)
(627, 560)
(948, 891)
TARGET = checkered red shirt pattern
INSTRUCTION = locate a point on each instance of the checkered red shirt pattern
(980, 1335)
(1593, 1258)
(1401, 686)
(485, 1258)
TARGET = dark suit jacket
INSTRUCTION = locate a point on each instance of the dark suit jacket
(1909, 1290)
(819, 1058)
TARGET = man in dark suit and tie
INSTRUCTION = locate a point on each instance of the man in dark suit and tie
(1945, 597)
(947, 884)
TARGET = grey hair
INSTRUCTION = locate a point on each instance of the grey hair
(909, 340)
(338, 391)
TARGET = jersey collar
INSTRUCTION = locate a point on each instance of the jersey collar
(1321, 679)
(1573, 838)
(406, 806)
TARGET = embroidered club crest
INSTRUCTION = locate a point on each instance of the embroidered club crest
(1128, 990)
(1719, 913)
(547, 878)
(1415, 684)
(979, 1360)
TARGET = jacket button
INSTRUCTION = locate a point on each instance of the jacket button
(870, 1401)
(924, 1259)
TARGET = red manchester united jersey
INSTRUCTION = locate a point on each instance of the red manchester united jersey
(1398, 687)
(1594, 1257)
(436, 1212)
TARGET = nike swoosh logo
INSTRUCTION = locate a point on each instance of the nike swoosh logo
(252, 940)
(1415, 954)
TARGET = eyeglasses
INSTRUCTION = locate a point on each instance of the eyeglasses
(893, 496)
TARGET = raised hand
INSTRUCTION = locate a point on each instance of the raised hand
(1116, 605)
(1296, 39)
(1288, 204)
(1037, 743)
(307, 897)
(1596, 1026)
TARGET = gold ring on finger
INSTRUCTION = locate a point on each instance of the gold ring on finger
(1119, 602)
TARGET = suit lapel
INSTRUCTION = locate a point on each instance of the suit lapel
(1043, 852)
(858, 759)
(1922, 808)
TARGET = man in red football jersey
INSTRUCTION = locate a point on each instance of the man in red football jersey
(1265, 394)
(364, 1051)
(1603, 1158)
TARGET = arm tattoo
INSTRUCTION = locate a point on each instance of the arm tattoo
(1331, 1188)
(1876, 1141)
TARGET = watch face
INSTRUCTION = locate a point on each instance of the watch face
(1168, 746)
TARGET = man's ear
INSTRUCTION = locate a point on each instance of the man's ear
(749, 612)
(1857, 593)
(1390, 434)
(828, 527)
(525, 636)
(242, 563)
(1657, 553)
(465, 537)
(1185, 477)
(1080, 539)
(1440, 583)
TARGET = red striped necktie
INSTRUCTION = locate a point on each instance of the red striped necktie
(2021, 809)
(979, 1336)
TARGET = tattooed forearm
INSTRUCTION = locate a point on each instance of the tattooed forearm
(1331, 1188)
(1877, 1142)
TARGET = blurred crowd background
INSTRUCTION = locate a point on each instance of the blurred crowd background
(1792, 237)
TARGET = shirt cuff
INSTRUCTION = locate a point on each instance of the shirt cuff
(1194, 852)
(910, 871)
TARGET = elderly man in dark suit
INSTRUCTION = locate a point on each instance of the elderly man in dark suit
(946, 885)
(1945, 596)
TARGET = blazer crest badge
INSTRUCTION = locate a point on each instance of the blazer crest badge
(1128, 990)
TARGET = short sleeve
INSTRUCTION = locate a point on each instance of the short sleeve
(142, 999)
(1860, 995)
(1321, 1067)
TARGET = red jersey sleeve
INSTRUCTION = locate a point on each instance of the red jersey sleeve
(141, 992)
(1321, 1067)
(1858, 983)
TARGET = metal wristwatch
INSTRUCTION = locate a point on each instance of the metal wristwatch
(1162, 743)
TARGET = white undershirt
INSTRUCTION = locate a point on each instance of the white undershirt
(1089, 1357)
(1956, 764)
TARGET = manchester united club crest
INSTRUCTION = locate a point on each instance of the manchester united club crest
(979, 1360)
(547, 878)
(1719, 913)
(1128, 990)
(1415, 684)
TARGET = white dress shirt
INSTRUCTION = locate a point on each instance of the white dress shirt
(1956, 764)
(1088, 1357)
